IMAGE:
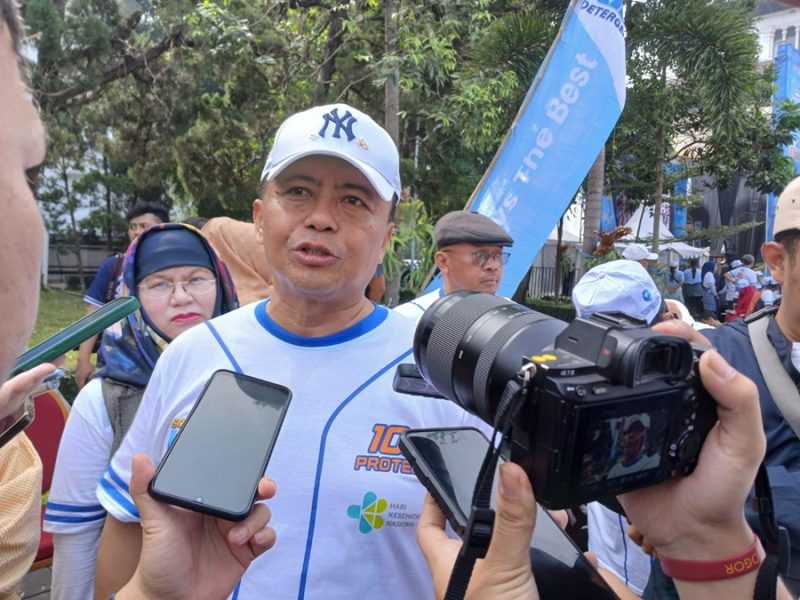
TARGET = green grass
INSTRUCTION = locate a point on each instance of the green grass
(57, 310)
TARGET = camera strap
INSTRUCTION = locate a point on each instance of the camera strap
(775, 539)
(478, 533)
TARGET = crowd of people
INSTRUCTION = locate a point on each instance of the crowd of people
(327, 523)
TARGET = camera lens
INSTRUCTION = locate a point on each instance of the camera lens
(469, 345)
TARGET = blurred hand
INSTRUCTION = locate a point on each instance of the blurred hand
(190, 555)
(505, 573)
(14, 391)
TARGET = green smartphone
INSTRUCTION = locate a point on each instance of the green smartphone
(80, 331)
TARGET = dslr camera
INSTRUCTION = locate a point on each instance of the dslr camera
(608, 406)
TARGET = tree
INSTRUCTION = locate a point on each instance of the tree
(697, 63)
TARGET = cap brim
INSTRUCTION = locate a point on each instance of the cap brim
(652, 256)
(385, 189)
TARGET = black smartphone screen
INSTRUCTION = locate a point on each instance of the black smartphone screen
(12, 424)
(221, 451)
(447, 462)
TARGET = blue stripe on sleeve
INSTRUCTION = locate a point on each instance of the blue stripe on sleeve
(117, 479)
(74, 507)
(60, 519)
(121, 501)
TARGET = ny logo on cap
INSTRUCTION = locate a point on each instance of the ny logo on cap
(344, 123)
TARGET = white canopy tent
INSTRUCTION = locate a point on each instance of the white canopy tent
(641, 224)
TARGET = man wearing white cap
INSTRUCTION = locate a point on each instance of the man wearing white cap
(640, 254)
(633, 443)
(620, 286)
(348, 500)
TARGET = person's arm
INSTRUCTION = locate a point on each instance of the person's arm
(505, 573)
(74, 564)
(20, 497)
(84, 367)
(117, 556)
(72, 512)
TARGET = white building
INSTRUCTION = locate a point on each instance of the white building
(777, 23)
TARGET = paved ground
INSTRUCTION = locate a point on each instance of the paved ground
(36, 585)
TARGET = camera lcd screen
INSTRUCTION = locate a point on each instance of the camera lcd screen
(624, 448)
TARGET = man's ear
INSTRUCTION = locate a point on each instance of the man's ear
(440, 258)
(776, 258)
(257, 205)
(386, 239)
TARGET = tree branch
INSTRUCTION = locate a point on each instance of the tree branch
(129, 65)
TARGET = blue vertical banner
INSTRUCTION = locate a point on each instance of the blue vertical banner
(608, 218)
(787, 78)
(568, 113)
(679, 209)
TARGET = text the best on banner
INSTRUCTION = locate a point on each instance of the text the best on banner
(566, 118)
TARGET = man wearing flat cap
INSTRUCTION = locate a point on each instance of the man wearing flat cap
(470, 256)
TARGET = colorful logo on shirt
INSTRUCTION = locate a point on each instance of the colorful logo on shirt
(369, 514)
(174, 428)
(383, 453)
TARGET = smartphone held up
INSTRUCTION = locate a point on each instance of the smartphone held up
(221, 451)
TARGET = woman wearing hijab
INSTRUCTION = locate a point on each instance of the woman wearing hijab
(180, 282)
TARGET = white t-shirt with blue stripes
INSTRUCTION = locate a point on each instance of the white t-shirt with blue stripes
(347, 501)
(73, 513)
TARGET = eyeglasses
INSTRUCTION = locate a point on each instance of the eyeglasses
(481, 257)
(196, 286)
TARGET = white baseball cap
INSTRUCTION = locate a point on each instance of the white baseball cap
(618, 286)
(736, 264)
(638, 252)
(342, 131)
(643, 419)
(787, 210)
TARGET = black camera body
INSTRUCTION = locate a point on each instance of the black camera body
(609, 405)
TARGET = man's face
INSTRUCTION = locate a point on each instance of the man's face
(324, 228)
(138, 224)
(21, 228)
(784, 266)
(633, 443)
(461, 267)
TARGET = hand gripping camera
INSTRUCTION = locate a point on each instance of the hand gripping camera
(608, 405)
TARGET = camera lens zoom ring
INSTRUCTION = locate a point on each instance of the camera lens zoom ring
(485, 362)
(446, 334)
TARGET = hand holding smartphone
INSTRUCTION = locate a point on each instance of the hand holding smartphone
(447, 462)
(222, 450)
(72, 335)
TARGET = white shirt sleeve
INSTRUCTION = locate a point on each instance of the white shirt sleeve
(74, 565)
(72, 513)
(83, 455)
(709, 282)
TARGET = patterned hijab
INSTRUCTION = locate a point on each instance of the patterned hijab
(132, 352)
